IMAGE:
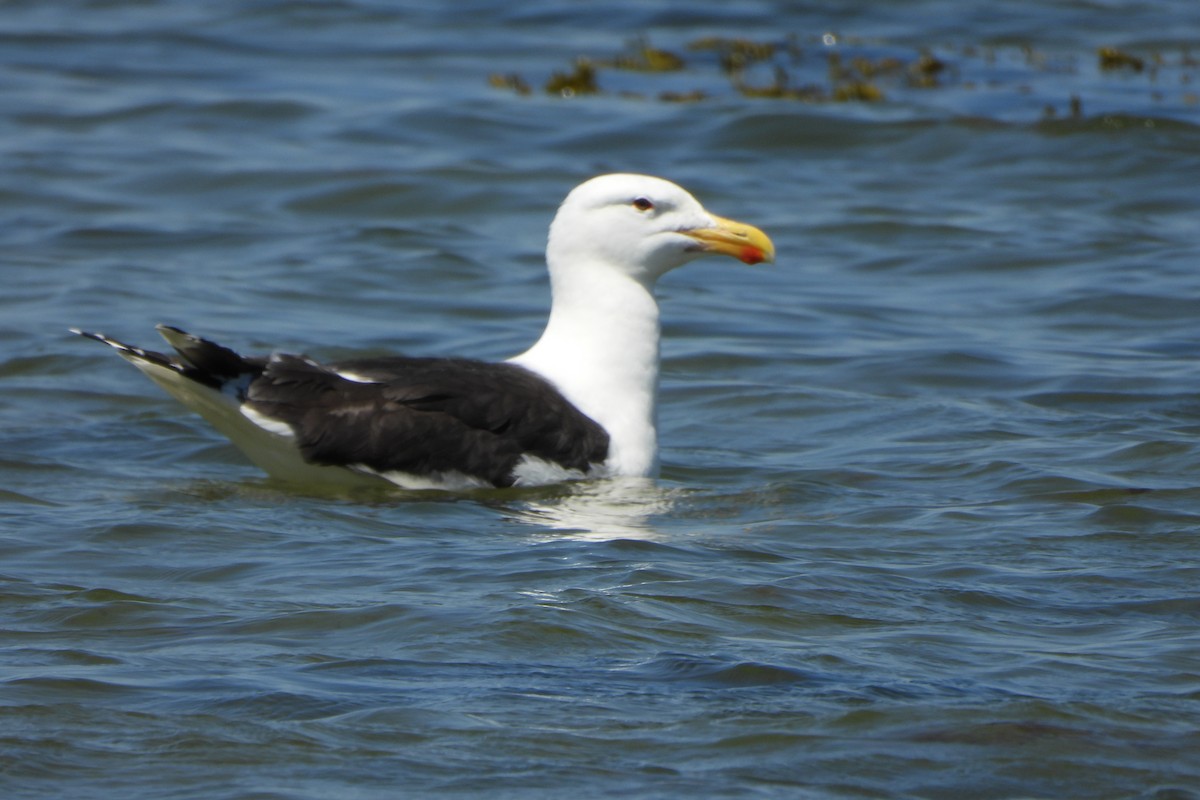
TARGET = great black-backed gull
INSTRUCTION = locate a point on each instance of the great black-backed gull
(580, 403)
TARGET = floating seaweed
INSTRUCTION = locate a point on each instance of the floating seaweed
(862, 91)
(735, 54)
(779, 88)
(828, 67)
(581, 80)
(865, 68)
(511, 81)
(1113, 59)
(645, 58)
(925, 71)
(853, 81)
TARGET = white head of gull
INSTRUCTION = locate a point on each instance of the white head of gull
(580, 403)
(612, 239)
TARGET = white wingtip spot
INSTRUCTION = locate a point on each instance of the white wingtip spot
(353, 377)
(268, 424)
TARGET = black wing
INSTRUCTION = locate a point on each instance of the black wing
(426, 415)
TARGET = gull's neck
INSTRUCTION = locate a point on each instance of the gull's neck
(600, 349)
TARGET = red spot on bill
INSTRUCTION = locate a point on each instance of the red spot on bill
(751, 255)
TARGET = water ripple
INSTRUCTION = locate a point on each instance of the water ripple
(926, 523)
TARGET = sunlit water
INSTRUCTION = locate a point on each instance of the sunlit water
(928, 521)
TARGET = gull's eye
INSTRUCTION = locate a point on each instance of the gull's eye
(642, 204)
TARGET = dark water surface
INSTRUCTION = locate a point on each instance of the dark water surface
(930, 512)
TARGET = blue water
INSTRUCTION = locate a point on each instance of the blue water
(928, 521)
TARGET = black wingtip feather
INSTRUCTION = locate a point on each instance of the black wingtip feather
(208, 358)
(127, 350)
(200, 360)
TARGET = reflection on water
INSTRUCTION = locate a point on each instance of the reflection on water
(617, 508)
